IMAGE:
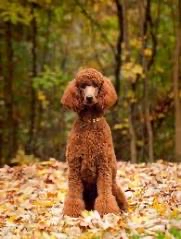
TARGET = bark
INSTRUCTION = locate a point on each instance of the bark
(150, 134)
(133, 149)
(46, 59)
(177, 87)
(118, 52)
(132, 131)
(30, 144)
(1, 116)
(8, 94)
(146, 66)
(1, 142)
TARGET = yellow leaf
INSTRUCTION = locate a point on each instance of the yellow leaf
(86, 213)
(139, 143)
(160, 207)
(87, 235)
(137, 69)
(175, 213)
(61, 196)
(45, 235)
(41, 96)
(48, 1)
(11, 219)
(148, 52)
(135, 182)
(51, 194)
(118, 126)
(141, 230)
(43, 203)
(159, 69)
(135, 43)
(130, 94)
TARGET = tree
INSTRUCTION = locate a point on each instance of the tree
(177, 84)
(10, 139)
(32, 120)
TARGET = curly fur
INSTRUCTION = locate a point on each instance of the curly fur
(90, 154)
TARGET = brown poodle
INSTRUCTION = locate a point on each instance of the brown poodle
(90, 154)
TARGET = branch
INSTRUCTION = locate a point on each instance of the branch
(153, 36)
(96, 24)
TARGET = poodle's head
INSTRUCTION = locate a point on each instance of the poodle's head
(89, 89)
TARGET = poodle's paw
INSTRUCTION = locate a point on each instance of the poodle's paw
(106, 204)
(124, 205)
(73, 207)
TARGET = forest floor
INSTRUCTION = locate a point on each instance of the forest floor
(31, 202)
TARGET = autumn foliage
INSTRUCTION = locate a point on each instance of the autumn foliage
(136, 44)
(32, 196)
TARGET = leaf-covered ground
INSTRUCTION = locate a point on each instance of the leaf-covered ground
(31, 202)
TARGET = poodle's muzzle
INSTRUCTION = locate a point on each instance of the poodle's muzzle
(90, 95)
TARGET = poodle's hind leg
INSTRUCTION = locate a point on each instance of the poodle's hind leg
(120, 197)
(89, 195)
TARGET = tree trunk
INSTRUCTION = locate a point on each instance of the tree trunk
(131, 112)
(8, 95)
(118, 52)
(1, 142)
(150, 133)
(146, 66)
(133, 149)
(30, 144)
(1, 115)
(177, 87)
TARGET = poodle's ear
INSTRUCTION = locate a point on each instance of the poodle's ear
(108, 94)
(70, 98)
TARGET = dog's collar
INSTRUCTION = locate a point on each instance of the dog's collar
(93, 120)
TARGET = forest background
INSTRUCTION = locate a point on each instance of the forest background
(136, 43)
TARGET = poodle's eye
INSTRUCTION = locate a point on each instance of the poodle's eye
(95, 84)
(82, 86)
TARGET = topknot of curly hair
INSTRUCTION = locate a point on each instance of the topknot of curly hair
(89, 73)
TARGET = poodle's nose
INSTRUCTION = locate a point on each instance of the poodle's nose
(89, 98)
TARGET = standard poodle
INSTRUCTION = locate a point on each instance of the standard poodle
(90, 153)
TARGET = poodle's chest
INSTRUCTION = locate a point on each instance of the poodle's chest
(92, 150)
(89, 170)
(90, 146)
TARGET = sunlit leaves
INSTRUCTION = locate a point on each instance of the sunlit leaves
(136, 43)
(31, 203)
(15, 12)
(21, 158)
(148, 52)
(47, 82)
(159, 206)
(130, 70)
(48, 79)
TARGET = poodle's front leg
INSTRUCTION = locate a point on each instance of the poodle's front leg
(74, 204)
(105, 202)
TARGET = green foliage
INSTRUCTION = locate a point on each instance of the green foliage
(15, 12)
(176, 233)
(173, 232)
(68, 35)
(49, 79)
(135, 237)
